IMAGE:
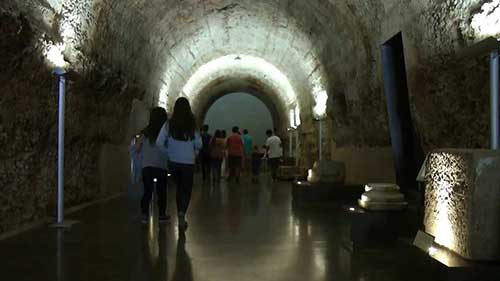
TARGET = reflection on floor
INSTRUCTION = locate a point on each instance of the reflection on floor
(237, 232)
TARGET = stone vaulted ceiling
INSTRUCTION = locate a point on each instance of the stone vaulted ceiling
(291, 50)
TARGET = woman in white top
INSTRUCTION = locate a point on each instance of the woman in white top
(154, 165)
(182, 142)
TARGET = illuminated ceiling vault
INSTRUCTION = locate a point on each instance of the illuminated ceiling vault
(294, 50)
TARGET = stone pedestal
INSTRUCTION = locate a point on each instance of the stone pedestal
(382, 197)
(462, 201)
(327, 171)
(378, 229)
(306, 194)
(291, 173)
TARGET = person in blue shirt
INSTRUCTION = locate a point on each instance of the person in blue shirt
(181, 141)
(247, 145)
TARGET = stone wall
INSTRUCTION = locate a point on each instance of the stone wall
(97, 111)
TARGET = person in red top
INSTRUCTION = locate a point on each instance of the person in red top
(234, 147)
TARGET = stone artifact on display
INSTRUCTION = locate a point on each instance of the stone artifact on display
(382, 197)
(327, 171)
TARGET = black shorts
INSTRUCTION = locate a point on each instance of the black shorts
(234, 162)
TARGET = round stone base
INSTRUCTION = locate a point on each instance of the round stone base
(382, 206)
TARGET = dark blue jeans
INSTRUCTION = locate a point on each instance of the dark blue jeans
(148, 175)
(183, 177)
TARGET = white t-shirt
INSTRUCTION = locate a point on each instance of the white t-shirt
(274, 145)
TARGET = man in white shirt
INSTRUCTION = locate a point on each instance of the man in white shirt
(274, 152)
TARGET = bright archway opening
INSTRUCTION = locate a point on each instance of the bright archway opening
(243, 110)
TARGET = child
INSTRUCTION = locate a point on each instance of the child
(256, 162)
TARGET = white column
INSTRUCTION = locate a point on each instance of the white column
(320, 139)
(494, 98)
(60, 149)
(297, 147)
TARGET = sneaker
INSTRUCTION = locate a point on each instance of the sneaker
(144, 219)
(163, 218)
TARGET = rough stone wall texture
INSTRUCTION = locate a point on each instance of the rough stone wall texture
(461, 202)
(446, 94)
(96, 112)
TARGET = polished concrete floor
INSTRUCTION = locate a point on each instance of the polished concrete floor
(246, 231)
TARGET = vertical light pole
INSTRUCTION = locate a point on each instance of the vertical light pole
(61, 75)
(297, 147)
(494, 98)
(296, 124)
(290, 132)
(320, 140)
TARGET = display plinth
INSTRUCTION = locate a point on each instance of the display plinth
(309, 194)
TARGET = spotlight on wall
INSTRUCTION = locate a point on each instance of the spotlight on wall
(292, 118)
(54, 54)
(297, 116)
(319, 109)
(487, 21)
(163, 97)
(432, 251)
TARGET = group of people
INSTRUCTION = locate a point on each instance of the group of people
(174, 145)
(231, 154)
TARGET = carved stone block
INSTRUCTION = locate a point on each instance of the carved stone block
(462, 201)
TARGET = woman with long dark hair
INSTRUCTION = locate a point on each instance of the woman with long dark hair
(182, 142)
(154, 165)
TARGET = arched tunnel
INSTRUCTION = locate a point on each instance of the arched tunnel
(296, 56)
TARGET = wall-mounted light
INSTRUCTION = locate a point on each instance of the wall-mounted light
(487, 22)
(54, 55)
(297, 116)
(319, 110)
(432, 251)
(292, 118)
(163, 97)
(319, 113)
